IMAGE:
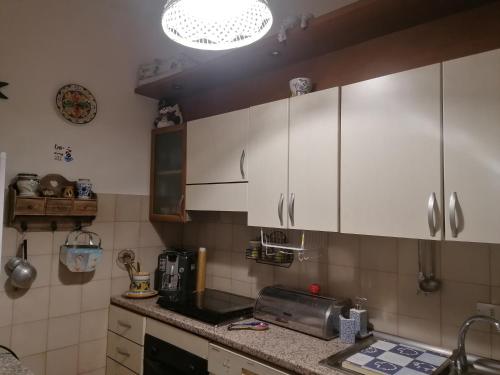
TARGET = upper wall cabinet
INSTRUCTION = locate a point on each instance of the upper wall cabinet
(391, 152)
(313, 161)
(268, 165)
(471, 130)
(293, 163)
(217, 147)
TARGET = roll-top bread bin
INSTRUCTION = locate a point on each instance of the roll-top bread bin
(301, 311)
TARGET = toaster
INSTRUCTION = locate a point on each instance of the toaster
(301, 311)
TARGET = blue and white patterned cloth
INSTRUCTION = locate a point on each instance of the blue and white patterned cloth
(388, 358)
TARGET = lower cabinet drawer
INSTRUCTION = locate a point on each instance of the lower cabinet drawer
(127, 324)
(125, 352)
(114, 368)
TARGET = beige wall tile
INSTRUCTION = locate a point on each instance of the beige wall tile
(93, 325)
(60, 275)
(221, 283)
(241, 288)
(423, 330)
(36, 363)
(63, 361)
(226, 217)
(43, 264)
(128, 207)
(240, 218)
(222, 264)
(5, 335)
(96, 295)
(288, 276)
(223, 237)
(32, 306)
(262, 275)
(5, 310)
(383, 321)
(119, 285)
(207, 235)
(65, 300)
(106, 204)
(381, 290)
(477, 342)
(145, 208)
(343, 249)
(103, 270)
(29, 338)
(343, 281)
(149, 235)
(495, 265)
(59, 238)
(495, 295)
(106, 232)
(39, 243)
(91, 355)
(126, 235)
(101, 371)
(63, 331)
(379, 253)
(417, 304)
(171, 233)
(190, 234)
(241, 235)
(313, 273)
(495, 347)
(466, 262)
(459, 302)
(240, 267)
(149, 259)
(9, 242)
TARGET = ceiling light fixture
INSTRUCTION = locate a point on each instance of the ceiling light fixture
(216, 24)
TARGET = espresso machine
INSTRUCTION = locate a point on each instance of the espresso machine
(175, 277)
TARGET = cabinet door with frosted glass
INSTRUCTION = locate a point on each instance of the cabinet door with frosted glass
(168, 174)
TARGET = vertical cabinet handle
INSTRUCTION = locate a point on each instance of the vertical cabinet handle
(280, 208)
(291, 209)
(432, 214)
(242, 164)
(453, 214)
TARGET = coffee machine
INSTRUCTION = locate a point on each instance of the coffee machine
(175, 276)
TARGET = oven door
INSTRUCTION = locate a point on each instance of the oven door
(162, 358)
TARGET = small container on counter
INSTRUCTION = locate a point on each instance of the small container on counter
(347, 330)
(360, 316)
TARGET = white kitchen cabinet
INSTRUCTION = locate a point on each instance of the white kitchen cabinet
(268, 165)
(313, 161)
(217, 147)
(390, 183)
(471, 133)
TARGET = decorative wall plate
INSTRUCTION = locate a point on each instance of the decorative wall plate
(76, 104)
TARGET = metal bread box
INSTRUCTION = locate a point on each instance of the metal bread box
(301, 311)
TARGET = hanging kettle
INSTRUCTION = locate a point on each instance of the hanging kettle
(20, 271)
(78, 256)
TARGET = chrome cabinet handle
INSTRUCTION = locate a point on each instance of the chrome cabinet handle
(432, 213)
(122, 352)
(123, 324)
(453, 214)
(280, 208)
(242, 164)
(291, 209)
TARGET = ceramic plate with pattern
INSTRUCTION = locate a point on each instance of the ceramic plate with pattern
(76, 104)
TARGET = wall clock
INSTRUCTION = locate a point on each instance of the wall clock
(76, 104)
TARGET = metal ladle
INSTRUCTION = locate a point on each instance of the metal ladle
(21, 272)
(427, 283)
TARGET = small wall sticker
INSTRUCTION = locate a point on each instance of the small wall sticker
(63, 153)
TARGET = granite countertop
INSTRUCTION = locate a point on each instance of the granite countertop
(9, 365)
(282, 347)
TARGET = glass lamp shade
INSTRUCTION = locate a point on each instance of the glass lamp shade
(216, 24)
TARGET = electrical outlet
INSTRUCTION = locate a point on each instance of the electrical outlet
(488, 310)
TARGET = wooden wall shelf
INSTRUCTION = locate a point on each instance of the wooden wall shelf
(347, 26)
(48, 213)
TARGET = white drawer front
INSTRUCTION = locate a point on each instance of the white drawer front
(177, 337)
(127, 324)
(114, 368)
(125, 352)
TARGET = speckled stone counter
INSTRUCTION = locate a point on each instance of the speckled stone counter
(11, 366)
(284, 348)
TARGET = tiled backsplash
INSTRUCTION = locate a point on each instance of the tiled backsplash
(384, 270)
(58, 327)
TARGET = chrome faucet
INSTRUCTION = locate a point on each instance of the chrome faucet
(460, 355)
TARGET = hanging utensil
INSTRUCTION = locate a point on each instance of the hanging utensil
(21, 272)
(427, 283)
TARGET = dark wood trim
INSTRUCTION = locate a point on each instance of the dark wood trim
(181, 217)
(347, 26)
(455, 36)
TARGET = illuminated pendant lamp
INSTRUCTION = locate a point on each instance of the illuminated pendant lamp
(216, 24)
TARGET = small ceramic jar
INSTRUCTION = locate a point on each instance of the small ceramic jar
(140, 282)
(84, 188)
(300, 86)
(27, 184)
